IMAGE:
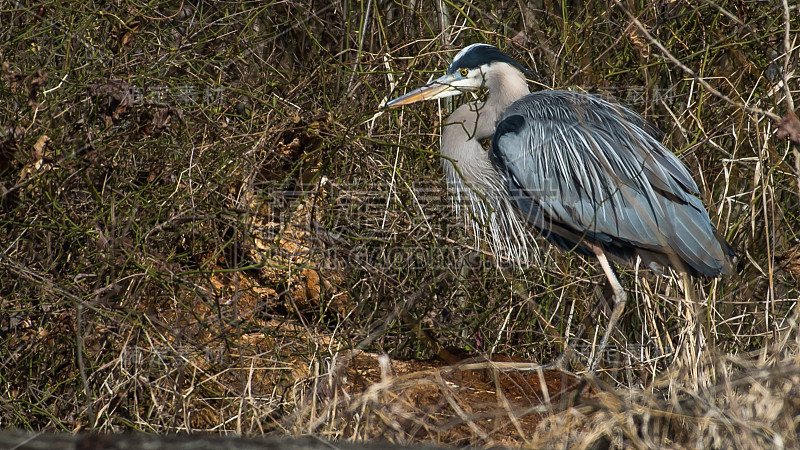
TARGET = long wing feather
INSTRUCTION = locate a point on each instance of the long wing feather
(583, 168)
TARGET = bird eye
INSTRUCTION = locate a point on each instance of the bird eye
(464, 72)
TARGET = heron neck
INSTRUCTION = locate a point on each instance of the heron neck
(506, 84)
(469, 171)
(475, 121)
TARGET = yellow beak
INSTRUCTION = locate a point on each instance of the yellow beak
(439, 88)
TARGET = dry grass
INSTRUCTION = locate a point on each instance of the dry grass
(204, 214)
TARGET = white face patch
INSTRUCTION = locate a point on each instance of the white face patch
(468, 79)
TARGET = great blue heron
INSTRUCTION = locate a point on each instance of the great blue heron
(591, 176)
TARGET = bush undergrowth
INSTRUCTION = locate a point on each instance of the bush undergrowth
(202, 204)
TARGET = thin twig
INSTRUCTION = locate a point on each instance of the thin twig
(787, 45)
(365, 21)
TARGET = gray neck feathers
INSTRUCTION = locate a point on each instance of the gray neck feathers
(470, 174)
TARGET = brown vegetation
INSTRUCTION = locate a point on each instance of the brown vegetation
(208, 225)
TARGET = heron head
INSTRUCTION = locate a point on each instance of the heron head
(467, 72)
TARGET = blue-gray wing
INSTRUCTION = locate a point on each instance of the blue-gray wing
(580, 168)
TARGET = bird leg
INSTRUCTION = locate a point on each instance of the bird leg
(620, 297)
(696, 319)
